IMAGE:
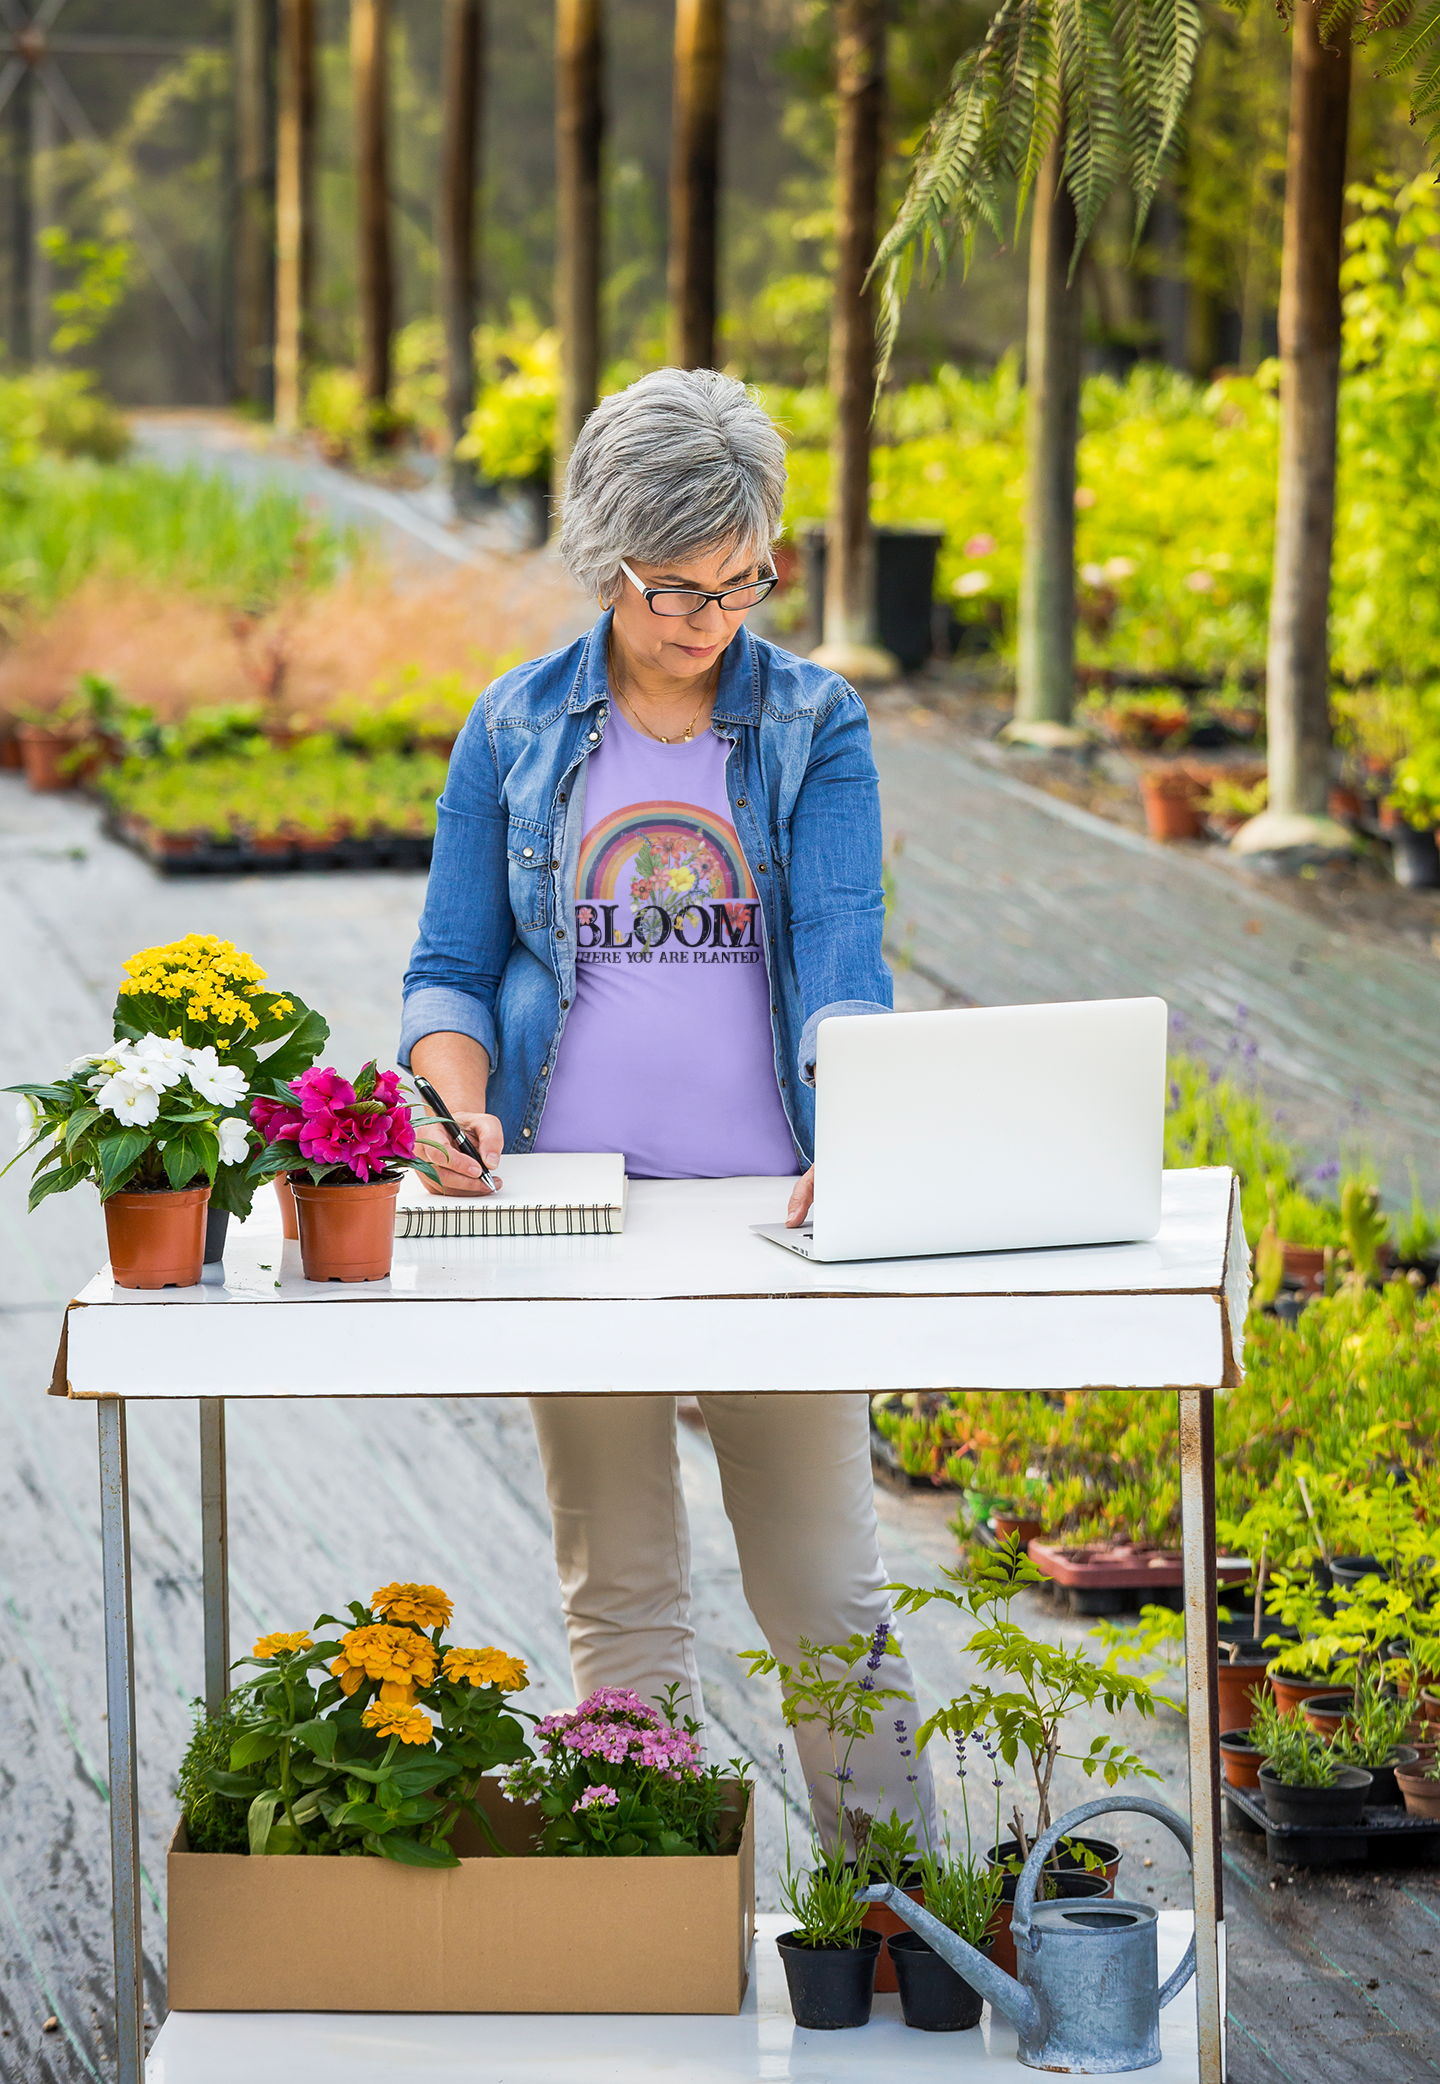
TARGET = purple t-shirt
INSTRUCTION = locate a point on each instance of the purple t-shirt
(668, 1053)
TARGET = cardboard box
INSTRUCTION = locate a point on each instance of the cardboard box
(491, 1935)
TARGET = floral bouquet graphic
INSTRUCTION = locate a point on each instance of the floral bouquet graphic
(675, 873)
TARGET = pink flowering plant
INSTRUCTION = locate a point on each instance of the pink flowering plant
(616, 1777)
(336, 1132)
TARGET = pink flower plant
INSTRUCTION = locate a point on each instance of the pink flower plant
(615, 1777)
(322, 1124)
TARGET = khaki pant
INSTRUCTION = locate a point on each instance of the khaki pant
(795, 1476)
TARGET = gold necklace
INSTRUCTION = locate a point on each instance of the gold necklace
(685, 736)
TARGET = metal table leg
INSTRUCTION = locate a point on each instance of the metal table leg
(120, 1727)
(215, 1553)
(1197, 1521)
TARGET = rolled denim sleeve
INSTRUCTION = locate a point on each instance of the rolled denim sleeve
(467, 928)
(810, 1036)
(837, 902)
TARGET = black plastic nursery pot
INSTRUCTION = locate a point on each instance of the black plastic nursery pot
(217, 1222)
(1067, 1860)
(1414, 858)
(934, 1997)
(830, 1987)
(1349, 1571)
(1343, 1802)
(1384, 1791)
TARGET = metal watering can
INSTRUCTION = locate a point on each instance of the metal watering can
(1089, 1996)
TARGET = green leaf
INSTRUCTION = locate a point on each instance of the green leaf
(250, 1749)
(317, 1736)
(299, 1052)
(241, 1785)
(119, 1154)
(194, 1150)
(58, 1182)
(410, 1854)
(260, 1819)
(79, 1122)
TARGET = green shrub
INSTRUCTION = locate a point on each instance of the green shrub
(212, 1823)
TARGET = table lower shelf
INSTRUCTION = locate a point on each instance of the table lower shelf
(761, 2043)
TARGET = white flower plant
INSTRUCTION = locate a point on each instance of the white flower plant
(149, 1115)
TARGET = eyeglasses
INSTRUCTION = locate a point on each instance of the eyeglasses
(677, 600)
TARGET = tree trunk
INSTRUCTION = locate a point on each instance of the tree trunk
(254, 350)
(294, 206)
(695, 180)
(1297, 662)
(42, 218)
(369, 27)
(455, 223)
(850, 645)
(579, 127)
(1045, 678)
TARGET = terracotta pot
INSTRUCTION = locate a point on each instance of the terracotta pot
(1006, 1527)
(289, 1221)
(157, 1240)
(879, 1917)
(1305, 1264)
(1169, 815)
(1290, 1689)
(1240, 1762)
(1344, 803)
(1328, 1713)
(43, 750)
(1422, 1794)
(12, 759)
(347, 1232)
(1240, 1687)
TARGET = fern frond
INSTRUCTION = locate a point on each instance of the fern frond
(1109, 76)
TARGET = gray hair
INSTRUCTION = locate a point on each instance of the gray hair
(683, 461)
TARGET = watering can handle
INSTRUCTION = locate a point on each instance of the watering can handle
(1104, 1805)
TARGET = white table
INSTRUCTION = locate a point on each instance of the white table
(762, 2045)
(687, 1300)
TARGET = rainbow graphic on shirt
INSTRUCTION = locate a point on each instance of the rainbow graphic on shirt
(671, 855)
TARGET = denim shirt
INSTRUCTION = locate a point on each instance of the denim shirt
(495, 957)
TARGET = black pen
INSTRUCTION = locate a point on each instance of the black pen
(452, 1128)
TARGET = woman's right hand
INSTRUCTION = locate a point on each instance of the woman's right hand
(459, 1174)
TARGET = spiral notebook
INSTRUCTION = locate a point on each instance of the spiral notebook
(545, 1194)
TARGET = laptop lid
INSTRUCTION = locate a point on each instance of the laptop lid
(989, 1128)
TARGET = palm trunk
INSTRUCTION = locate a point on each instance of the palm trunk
(455, 227)
(850, 645)
(579, 128)
(369, 26)
(43, 215)
(254, 276)
(294, 211)
(695, 180)
(1045, 678)
(1298, 657)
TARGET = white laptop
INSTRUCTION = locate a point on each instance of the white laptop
(990, 1129)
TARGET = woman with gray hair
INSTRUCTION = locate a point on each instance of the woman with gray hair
(657, 869)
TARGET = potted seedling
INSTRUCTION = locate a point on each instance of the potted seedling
(964, 1893)
(1302, 1781)
(1419, 1784)
(829, 1954)
(1372, 1735)
(1173, 797)
(1047, 1683)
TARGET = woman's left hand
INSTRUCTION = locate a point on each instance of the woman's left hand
(800, 1200)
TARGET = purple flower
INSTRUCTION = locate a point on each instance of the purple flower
(877, 1648)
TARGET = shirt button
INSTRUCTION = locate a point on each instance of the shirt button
(740, 803)
(564, 1003)
(527, 852)
(524, 1132)
(559, 933)
(562, 795)
(782, 1085)
(762, 868)
(544, 1070)
(594, 737)
(554, 864)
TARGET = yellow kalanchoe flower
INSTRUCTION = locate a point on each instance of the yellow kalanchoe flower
(213, 977)
(408, 1724)
(486, 1667)
(273, 1645)
(397, 1657)
(423, 1606)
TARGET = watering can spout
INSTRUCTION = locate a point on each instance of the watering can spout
(999, 1989)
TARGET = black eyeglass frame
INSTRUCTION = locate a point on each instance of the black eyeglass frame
(650, 594)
